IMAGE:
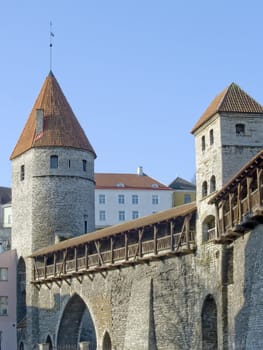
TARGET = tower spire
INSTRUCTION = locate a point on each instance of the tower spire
(51, 35)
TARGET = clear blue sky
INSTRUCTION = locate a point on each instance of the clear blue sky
(137, 73)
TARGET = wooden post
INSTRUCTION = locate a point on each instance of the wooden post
(155, 231)
(187, 229)
(86, 256)
(45, 267)
(230, 209)
(55, 264)
(239, 203)
(126, 246)
(217, 228)
(259, 180)
(111, 250)
(76, 259)
(172, 235)
(249, 180)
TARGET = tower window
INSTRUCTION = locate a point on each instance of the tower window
(69, 163)
(211, 137)
(187, 198)
(203, 143)
(53, 162)
(84, 165)
(204, 189)
(22, 172)
(212, 184)
(85, 226)
(240, 129)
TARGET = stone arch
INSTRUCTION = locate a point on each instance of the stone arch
(76, 325)
(21, 289)
(208, 228)
(106, 345)
(209, 323)
(49, 342)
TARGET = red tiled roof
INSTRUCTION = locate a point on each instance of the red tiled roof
(61, 127)
(128, 226)
(127, 181)
(233, 100)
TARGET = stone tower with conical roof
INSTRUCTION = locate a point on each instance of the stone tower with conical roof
(52, 175)
(227, 136)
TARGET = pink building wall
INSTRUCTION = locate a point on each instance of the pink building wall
(8, 288)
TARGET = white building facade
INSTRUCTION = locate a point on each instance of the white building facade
(124, 197)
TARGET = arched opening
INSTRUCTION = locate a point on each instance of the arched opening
(212, 184)
(106, 342)
(208, 228)
(21, 289)
(49, 342)
(76, 325)
(209, 324)
(204, 189)
(21, 346)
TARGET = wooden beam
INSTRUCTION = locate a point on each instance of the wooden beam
(155, 231)
(172, 235)
(97, 245)
(126, 257)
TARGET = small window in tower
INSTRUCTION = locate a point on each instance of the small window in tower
(84, 165)
(85, 226)
(211, 136)
(240, 129)
(212, 184)
(53, 162)
(203, 143)
(204, 189)
(22, 173)
(69, 163)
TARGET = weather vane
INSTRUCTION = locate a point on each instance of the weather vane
(51, 45)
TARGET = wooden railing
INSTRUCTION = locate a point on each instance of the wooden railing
(175, 243)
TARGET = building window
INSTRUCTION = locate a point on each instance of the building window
(53, 162)
(211, 137)
(121, 215)
(240, 129)
(84, 165)
(135, 214)
(187, 198)
(85, 226)
(3, 306)
(155, 199)
(22, 172)
(69, 164)
(203, 143)
(212, 184)
(102, 215)
(121, 199)
(135, 199)
(102, 199)
(3, 273)
(204, 189)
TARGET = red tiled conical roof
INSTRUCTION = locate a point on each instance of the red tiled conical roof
(61, 127)
(233, 100)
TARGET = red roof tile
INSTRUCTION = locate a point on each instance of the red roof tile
(232, 100)
(127, 181)
(61, 127)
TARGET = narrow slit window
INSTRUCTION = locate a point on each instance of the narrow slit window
(84, 165)
(22, 173)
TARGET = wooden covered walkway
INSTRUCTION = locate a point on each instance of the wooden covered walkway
(164, 234)
(239, 205)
